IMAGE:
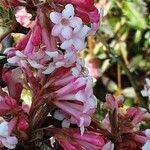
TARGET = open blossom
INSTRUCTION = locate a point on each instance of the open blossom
(65, 22)
(72, 139)
(69, 28)
(5, 138)
(146, 91)
(77, 40)
(72, 94)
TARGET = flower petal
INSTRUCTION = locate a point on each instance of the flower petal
(49, 69)
(56, 30)
(66, 32)
(34, 64)
(66, 44)
(55, 17)
(79, 44)
(76, 23)
(4, 129)
(68, 12)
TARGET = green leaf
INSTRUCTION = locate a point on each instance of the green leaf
(135, 17)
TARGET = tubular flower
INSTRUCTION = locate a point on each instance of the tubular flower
(72, 139)
(127, 119)
(72, 94)
(38, 50)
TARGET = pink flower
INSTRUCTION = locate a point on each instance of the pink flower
(13, 112)
(10, 106)
(70, 29)
(113, 103)
(14, 82)
(73, 95)
(73, 140)
(126, 121)
(65, 22)
(39, 50)
(146, 91)
(136, 114)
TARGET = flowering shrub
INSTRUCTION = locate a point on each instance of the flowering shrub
(47, 62)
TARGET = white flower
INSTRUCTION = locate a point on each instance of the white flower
(77, 40)
(65, 22)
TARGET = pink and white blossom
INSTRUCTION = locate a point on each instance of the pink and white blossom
(70, 29)
(65, 22)
(74, 96)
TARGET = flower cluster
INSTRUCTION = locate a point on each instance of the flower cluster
(47, 63)
(121, 125)
(14, 113)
